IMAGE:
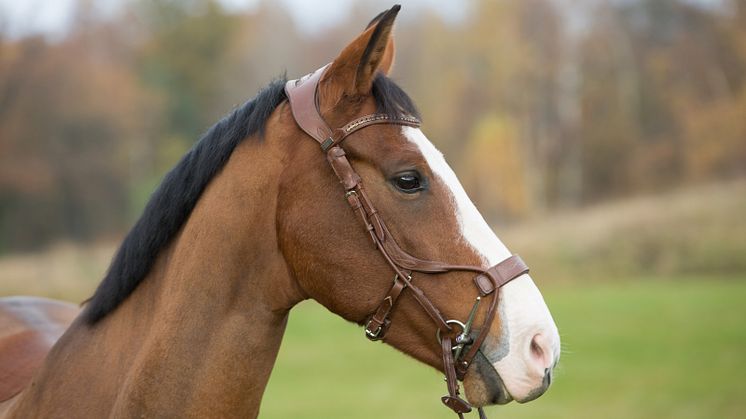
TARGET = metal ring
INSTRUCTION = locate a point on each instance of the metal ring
(456, 322)
(350, 193)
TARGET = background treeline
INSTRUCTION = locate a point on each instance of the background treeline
(540, 105)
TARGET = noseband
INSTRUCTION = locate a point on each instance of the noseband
(303, 101)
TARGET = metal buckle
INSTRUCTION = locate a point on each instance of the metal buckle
(378, 333)
(373, 335)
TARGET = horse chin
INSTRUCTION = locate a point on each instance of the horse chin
(483, 385)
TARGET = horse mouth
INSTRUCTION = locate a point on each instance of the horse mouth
(483, 385)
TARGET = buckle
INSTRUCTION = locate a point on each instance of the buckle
(373, 335)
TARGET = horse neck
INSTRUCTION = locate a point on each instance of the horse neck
(200, 335)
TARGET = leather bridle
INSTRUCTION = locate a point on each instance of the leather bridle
(302, 96)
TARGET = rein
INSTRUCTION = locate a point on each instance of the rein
(301, 95)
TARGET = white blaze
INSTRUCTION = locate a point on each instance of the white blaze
(522, 308)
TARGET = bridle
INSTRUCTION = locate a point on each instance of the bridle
(302, 96)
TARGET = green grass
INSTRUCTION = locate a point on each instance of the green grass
(632, 349)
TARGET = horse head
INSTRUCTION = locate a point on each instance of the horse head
(425, 212)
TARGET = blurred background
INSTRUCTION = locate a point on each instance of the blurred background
(604, 140)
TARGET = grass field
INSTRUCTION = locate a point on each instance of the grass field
(632, 349)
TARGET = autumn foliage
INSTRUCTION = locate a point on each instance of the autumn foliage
(536, 107)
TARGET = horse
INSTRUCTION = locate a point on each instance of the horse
(188, 320)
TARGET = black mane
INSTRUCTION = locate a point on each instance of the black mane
(172, 203)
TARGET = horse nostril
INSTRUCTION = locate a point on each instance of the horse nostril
(540, 352)
(536, 349)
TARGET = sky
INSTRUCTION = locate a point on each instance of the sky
(50, 17)
(22, 17)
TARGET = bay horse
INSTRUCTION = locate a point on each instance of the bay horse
(189, 317)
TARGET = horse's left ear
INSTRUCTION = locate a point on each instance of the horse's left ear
(353, 71)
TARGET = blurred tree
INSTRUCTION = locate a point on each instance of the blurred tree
(496, 172)
(67, 129)
(608, 98)
(181, 57)
(661, 92)
(538, 104)
(514, 69)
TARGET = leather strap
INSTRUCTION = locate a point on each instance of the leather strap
(301, 95)
(503, 273)
(376, 327)
(452, 399)
(305, 107)
(366, 121)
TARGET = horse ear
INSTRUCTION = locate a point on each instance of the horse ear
(387, 61)
(353, 71)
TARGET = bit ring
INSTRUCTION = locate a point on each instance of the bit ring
(456, 322)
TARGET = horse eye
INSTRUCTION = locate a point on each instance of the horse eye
(408, 182)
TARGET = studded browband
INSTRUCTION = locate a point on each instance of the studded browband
(302, 96)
